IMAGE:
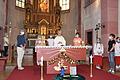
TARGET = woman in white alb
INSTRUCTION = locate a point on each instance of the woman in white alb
(50, 41)
(59, 39)
(117, 52)
(98, 52)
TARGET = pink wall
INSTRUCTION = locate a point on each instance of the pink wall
(109, 17)
(3, 16)
(79, 16)
(70, 21)
(1, 37)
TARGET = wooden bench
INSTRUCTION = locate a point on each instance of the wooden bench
(3, 61)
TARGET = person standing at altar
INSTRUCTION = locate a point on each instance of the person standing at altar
(21, 43)
(40, 41)
(98, 52)
(111, 52)
(77, 41)
(117, 53)
(59, 39)
(50, 41)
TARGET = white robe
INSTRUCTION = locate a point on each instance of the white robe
(117, 49)
(98, 49)
(50, 42)
(59, 41)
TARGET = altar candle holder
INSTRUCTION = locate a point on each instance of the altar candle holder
(41, 68)
(91, 74)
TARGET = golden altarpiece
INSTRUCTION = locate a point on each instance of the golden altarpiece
(42, 17)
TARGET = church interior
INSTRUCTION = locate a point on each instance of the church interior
(59, 39)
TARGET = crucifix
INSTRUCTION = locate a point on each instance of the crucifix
(98, 27)
(97, 30)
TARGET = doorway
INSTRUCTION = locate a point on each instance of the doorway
(89, 37)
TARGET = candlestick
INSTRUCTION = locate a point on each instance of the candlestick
(41, 72)
(91, 74)
(42, 61)
(42, 68)
(91, 59)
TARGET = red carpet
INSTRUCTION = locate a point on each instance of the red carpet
(84, 70)
(29, 73)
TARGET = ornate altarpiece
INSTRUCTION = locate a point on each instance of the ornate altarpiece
(42, 17)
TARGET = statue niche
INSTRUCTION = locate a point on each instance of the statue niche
(43, 27)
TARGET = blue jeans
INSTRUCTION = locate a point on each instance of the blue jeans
(111, 60)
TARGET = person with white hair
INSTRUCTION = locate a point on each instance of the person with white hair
(21, 43)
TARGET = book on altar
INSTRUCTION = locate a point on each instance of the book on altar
(73, 70)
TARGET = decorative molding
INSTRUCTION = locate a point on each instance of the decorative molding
(43, 20)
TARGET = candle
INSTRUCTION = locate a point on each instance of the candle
(91, 59)
(42, 68)
(91, 74)
(42, 61)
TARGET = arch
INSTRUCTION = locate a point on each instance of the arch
(42, 21)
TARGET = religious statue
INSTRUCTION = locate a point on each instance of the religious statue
(28, 15)
(58, 14)
(43, 30)
(44, 5)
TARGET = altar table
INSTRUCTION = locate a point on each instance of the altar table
(50, 52)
